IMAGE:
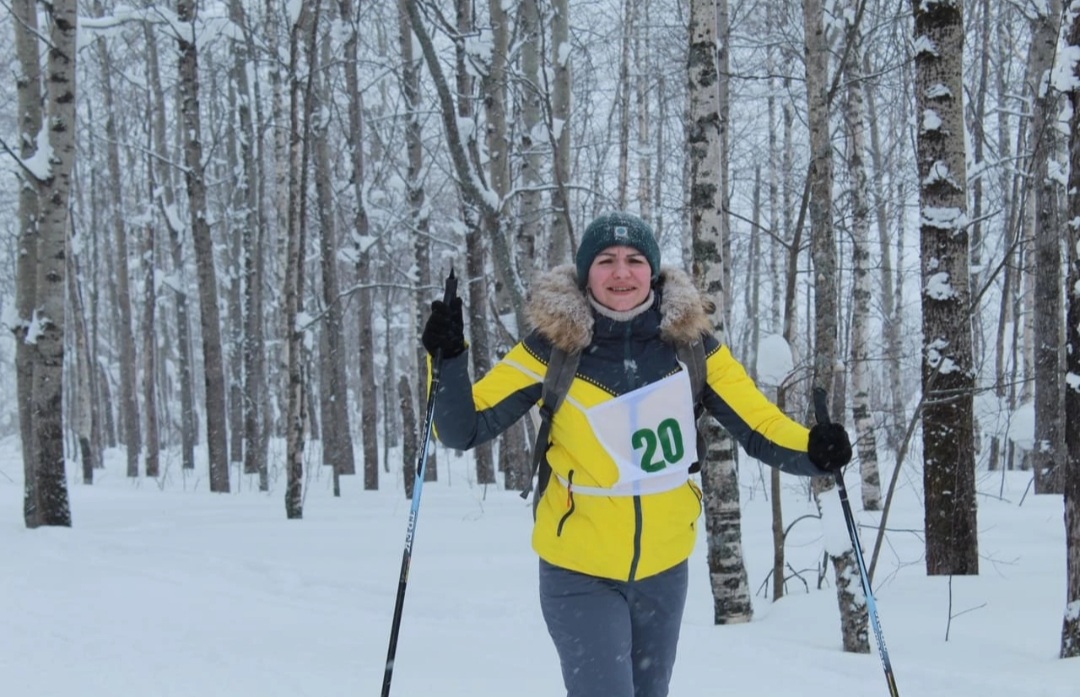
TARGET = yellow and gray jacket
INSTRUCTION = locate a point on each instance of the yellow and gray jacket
(623, 537)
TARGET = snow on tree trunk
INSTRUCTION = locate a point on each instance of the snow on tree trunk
(947, 371)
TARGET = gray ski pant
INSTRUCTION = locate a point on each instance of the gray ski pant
(614, 638)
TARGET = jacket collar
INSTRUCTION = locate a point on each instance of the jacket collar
(560, 312)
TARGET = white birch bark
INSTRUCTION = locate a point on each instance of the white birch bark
(28, 84)
(48, 484)
(854, 122)
(850, 598)
(727, 572)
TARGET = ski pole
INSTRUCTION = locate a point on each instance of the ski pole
(821, 409)
(410, 531)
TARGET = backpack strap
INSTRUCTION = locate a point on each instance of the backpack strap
(561, 368)
(692, 355)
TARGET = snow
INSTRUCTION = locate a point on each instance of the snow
(161, 588)
(938, 286)
(930, 121)
(774, 360)
(924, 44)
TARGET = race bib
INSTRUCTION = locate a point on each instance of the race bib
(650, 432)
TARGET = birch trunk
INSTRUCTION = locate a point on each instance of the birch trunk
(854, 120)
(49, 505)
(727, 572)
(28, 83)
(947, 371)
(419, 213)
(849, 595)
(300, 87)
(562, 245)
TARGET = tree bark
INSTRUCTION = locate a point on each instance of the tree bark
(947, 371)
(708, 225)
(28, 83)
(849, 596)
(47, 484)
(1047, 460)
(854, 120)
(129, 398)
(1070, 630)
(365, 313)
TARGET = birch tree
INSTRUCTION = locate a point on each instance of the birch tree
(947, 371)
(46, 500)
(854, 120)
(301, 106)
(28, 83)
(849, 595)
(561, 237)
(727, 572)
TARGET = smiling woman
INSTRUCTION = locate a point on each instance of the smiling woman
(615, 509)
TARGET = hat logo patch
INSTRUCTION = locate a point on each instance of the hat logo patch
(621, 233)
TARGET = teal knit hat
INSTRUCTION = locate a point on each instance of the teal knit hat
(612, 229)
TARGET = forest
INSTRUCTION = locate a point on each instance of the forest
(225, 223)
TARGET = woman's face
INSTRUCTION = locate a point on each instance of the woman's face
(620, 278)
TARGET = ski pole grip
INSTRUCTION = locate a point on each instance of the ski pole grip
(821, 405)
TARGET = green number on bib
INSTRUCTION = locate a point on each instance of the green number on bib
(670, 440)
(668, 436)
(646, 438)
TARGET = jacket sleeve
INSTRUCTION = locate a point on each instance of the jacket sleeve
(467, 415)
(765, 432)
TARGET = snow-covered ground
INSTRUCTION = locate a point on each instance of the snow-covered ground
(168, 590)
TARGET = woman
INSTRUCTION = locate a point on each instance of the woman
(616, 521)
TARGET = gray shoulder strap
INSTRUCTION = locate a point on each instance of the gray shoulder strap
(561, 368)
(693, 355)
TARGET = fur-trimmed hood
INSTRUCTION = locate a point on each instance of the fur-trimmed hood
(562, 314)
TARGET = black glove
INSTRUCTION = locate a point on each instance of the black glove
(830, 448)
(445, 329)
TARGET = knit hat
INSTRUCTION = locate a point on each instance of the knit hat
(616, 228)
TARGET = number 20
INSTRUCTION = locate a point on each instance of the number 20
(668, 436)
